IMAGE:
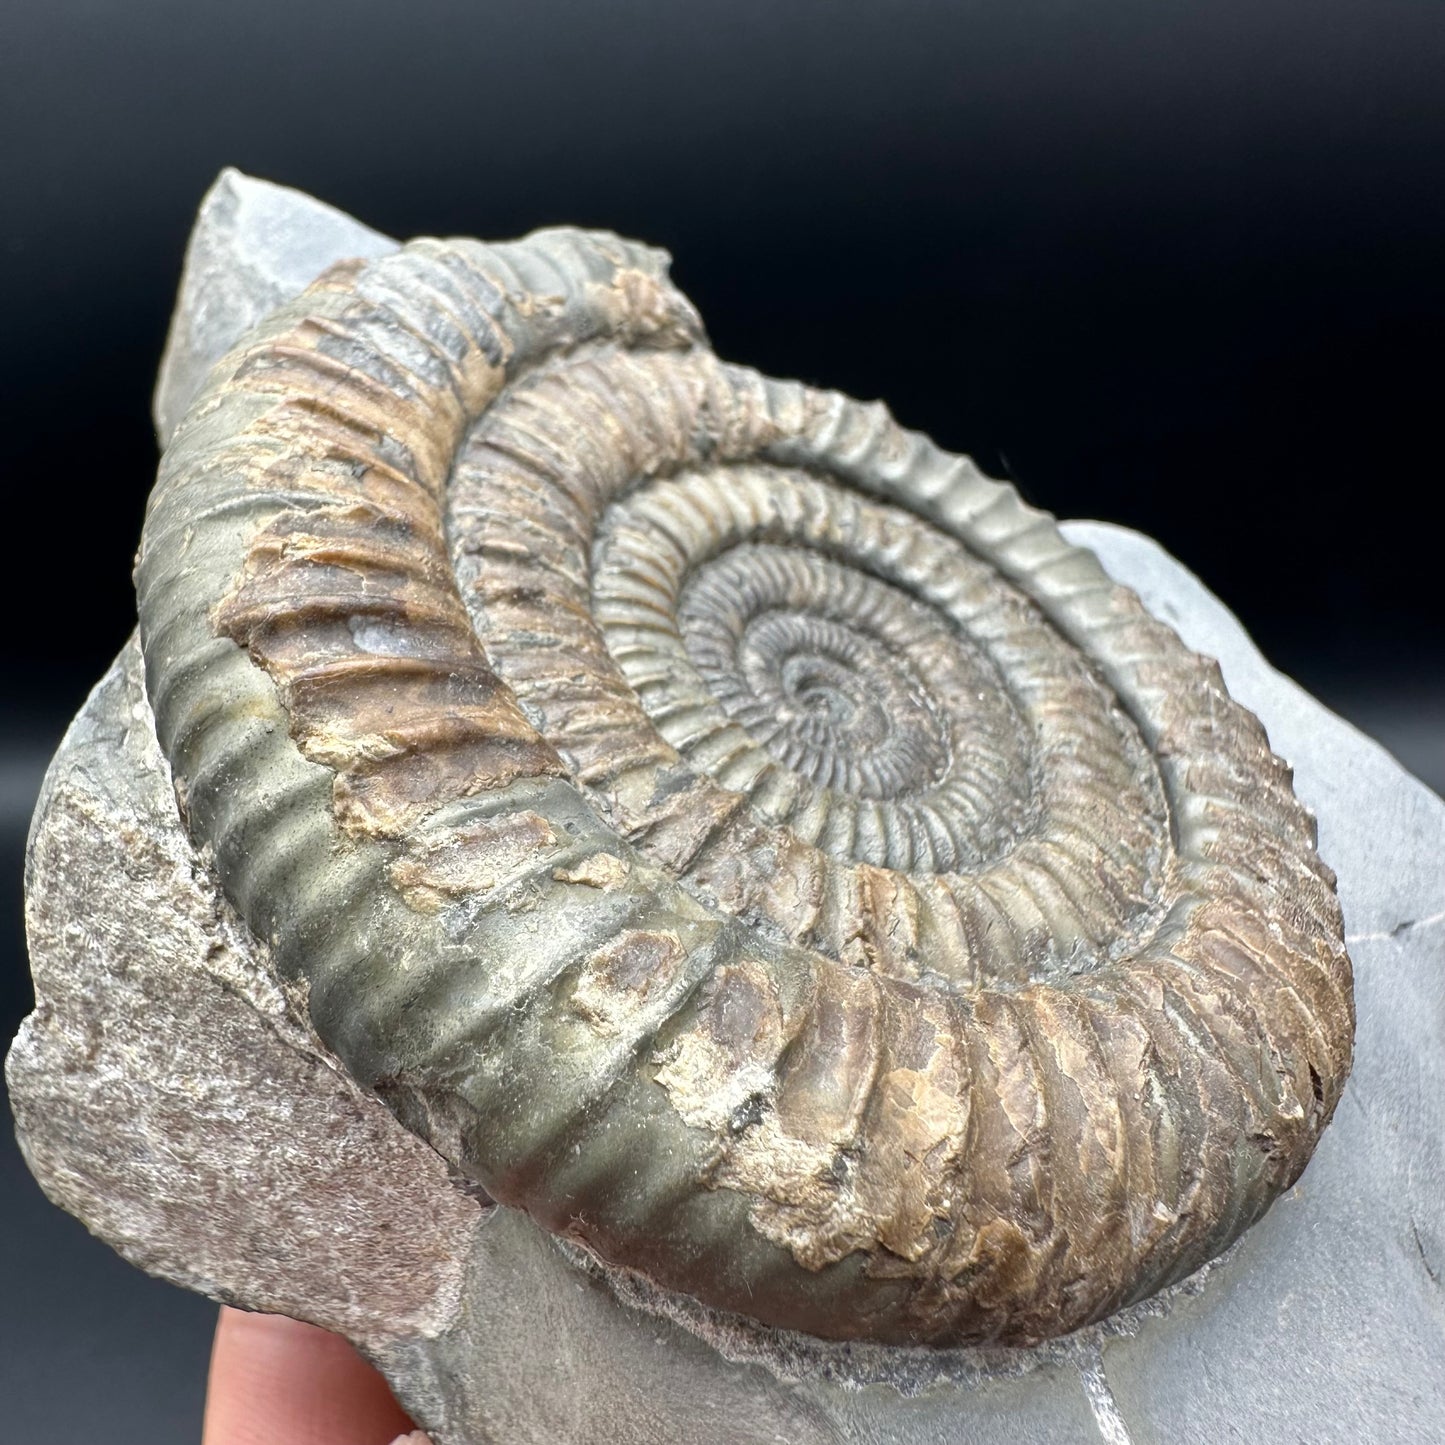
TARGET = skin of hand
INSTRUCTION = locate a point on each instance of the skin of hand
(274, 1381)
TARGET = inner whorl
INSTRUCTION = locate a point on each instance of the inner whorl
(724, 825)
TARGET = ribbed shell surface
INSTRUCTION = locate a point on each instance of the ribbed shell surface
(725, 825)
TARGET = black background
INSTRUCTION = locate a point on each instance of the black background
(1172, 264)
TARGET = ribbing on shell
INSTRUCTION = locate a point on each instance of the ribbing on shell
(725, 825)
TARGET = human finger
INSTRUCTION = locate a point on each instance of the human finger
(275, 1381)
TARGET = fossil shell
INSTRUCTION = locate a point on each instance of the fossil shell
(725, 825)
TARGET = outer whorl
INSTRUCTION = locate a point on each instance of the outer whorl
(724, 825)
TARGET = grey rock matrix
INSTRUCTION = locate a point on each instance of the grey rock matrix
(171, 1094)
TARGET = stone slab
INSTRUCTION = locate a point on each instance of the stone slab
(170, 1092)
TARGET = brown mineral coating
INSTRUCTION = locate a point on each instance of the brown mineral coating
(763, 849)
(325, 599)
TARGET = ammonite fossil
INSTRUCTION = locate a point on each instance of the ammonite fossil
(726, 826)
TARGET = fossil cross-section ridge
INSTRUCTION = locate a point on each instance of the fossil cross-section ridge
(723, 824)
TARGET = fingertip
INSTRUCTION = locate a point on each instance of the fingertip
(276, 1381)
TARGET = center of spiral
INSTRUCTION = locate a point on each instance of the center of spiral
(826, 693)
(845, 707)
(823, 693)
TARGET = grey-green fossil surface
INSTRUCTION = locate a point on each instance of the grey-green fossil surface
(724, 825)
(735, 835)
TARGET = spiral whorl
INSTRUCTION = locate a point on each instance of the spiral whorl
(725, 825)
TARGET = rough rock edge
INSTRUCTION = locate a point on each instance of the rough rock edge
(123, 917)
(254, 245)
